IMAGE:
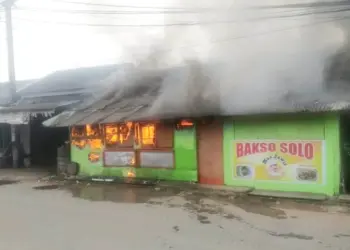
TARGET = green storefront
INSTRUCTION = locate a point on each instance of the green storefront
(154, 150)
(287, 153)
(298, 153)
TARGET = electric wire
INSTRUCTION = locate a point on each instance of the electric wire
(128, 6)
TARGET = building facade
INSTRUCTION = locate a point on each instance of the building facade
(290, 153)
(285, 153)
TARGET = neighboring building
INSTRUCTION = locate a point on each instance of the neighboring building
(39, 100)
(301, 147)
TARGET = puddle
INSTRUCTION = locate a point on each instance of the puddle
(120, 193)
(7, 182)
(292, 235)
(342, 236)
(197, 202)
(203, 219)
(47, 187)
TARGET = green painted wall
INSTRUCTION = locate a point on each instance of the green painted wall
(288, 127)
(185, 153)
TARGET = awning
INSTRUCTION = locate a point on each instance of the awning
(15, 118)
(20, 114)
(70, 118)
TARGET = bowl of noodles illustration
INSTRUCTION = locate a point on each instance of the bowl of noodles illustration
(275, 169)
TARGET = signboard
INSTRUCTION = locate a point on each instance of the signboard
(157, 159)
(277, 160)
(119, 158)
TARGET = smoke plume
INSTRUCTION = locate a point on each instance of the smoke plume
(235, 57)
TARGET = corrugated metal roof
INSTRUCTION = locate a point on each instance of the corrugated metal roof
(136, 102)
(111, 108)
(37, 107)
(69, 80)
(14, 118)
(60, 91)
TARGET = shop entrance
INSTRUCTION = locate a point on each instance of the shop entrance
(345, 153)
(210, 147)
(44, 142)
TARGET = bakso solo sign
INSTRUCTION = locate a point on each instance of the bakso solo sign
(289, 161)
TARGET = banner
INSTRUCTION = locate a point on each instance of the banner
(277, 160)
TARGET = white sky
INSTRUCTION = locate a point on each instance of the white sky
(42, 46)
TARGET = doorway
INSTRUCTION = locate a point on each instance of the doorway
(210, 152)
(44, 142)
(345, 153)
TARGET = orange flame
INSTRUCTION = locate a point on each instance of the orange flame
(95, 144)
(111, 134)
(132, 161)
(131, 174)
(77, 131)
(186, 123)
(92, 130)
(148, 134)
(94, 157)
(79, 143)
(144, 134)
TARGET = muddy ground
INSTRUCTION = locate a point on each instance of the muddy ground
(68, 215)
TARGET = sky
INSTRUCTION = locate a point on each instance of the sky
(50, 35)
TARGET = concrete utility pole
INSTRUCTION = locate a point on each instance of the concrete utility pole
(7, 4)
(10, 54)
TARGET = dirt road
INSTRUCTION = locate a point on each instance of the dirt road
(84, 216)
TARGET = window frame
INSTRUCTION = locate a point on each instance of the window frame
(117, 146)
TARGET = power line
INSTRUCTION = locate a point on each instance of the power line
(261, 33)
(128, 6)
(195, 23)
(306, 5)
(315, 13)
(136, 25)
(110, 12)
(113, 12)
(264, 33)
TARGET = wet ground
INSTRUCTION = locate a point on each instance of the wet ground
(59, 215)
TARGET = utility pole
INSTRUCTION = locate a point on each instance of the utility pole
(10, 54)
(7, 4)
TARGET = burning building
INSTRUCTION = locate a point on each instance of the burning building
(135, 132)
(125, 135)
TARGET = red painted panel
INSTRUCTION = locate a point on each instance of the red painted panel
(210, 153)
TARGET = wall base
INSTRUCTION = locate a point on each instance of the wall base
(295, 195)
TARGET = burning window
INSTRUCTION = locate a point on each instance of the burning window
(119, 134)
(79, 143)
(95, 143)
(78, 131)
(183, 124)
(93, 130)
(148, 134)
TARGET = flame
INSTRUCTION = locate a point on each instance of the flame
(186, 123)
(94, 157)
(129, 126)
(144, 134)
(131, 174)
(79, 143)
(92, 130)
(111, 134)
(125, 131)
(77, 131)
(132, 161)
(148, 134)
(95, 143)
(118, 133)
